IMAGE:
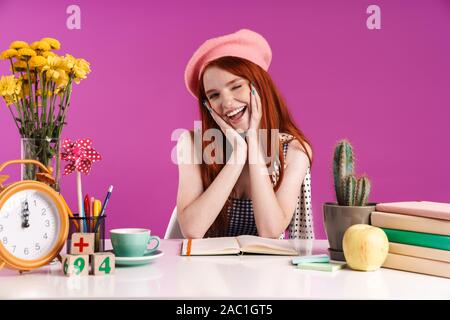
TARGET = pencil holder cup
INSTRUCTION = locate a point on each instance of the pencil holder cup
(88, 225)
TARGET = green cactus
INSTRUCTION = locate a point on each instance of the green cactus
(350, 190)
(362, 191)
(342, 166)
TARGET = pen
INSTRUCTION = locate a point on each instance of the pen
(87, 211)
(108, 195)
(97, 207)
(91, 207)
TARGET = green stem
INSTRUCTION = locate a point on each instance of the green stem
(12, 66)
(43, 99)
(36, 99)
(21, 110)
(65, 105)
(31, 92)
(51, 117)
(61, 104)
(14, 117)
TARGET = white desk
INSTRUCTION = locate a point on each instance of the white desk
(225, 277)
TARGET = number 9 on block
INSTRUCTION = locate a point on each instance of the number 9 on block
(76, 265)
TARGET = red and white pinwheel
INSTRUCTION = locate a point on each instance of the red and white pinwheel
(80, 155)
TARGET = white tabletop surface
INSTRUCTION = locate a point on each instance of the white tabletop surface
(223, 277)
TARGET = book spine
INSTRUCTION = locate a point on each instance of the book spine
(410, 223)
(419, 252)
(418, 265)
(420, 209)
(418, 239)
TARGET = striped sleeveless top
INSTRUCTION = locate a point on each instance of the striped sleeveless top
(241, 220)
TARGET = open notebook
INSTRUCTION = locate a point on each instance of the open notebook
(236, 245)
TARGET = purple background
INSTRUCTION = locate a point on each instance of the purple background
(387, 90)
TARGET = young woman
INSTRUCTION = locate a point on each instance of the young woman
(251, 189)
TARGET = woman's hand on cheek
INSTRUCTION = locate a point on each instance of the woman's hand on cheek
(255, 110)
(230, 133)
(223, 125)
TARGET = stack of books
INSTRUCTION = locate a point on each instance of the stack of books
(419, 236)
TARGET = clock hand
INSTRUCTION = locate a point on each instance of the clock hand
(25, 214)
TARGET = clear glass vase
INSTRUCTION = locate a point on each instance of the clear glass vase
(47, 152)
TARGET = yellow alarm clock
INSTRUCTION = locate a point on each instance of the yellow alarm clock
(33, 221)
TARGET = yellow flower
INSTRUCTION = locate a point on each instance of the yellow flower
(52, 74)
(46, 54)
(63, 79)
(7, 54)
(58, 76)
(40, 45)
(53, 68)
(53, 62)
(37, 62)
(10, 88)
(55, 44)
(78, 68)
(19, 66)
(26, 52)
(68, 62)
(18, 45)
(84, 65)
(81, 70)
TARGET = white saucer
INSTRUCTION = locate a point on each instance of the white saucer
(137, 261)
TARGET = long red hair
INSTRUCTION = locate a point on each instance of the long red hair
(275, 115)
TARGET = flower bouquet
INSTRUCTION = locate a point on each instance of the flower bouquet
(37, 95)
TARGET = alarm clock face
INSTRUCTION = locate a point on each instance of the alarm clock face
(29, 224)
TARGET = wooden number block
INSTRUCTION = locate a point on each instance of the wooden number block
(82, 243)
(103, 263)
(76, 265)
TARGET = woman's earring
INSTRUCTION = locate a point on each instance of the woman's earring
(253, 89)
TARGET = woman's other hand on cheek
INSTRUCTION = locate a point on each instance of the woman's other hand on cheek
(232, 135)
(255, 109)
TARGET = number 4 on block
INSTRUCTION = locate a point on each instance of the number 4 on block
(103, 263)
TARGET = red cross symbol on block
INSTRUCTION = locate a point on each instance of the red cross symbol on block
(81, 244)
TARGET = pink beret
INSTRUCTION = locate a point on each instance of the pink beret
(244, 43)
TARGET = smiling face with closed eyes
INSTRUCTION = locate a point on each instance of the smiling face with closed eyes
(229, 96)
